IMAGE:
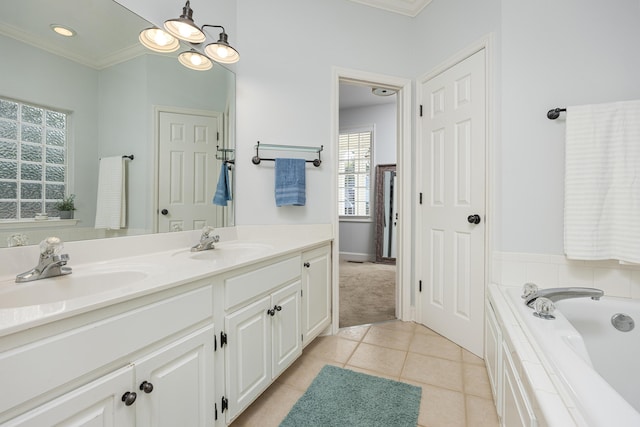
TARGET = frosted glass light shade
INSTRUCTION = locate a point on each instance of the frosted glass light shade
(222, 52)
(158, 40)
(195, 60)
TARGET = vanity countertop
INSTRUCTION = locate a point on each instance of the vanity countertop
(111, 271)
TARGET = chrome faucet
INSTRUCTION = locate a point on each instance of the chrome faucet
(51, 263)
(557, 294)
(207, 240)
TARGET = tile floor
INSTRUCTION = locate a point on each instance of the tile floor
(455, 386)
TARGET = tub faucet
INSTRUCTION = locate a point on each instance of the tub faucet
(207, 240)
(557, 294)
(51, 263)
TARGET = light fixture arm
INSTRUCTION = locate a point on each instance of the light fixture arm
(213, 26)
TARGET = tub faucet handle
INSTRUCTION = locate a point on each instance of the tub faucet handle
(529, 289)
(544, 308)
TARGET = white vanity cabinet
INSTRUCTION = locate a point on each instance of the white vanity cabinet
(316, 292)
(263, 329)
(146, 362)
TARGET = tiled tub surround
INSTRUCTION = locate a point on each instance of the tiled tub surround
(552, 364)
(158, 313)
(551, 271)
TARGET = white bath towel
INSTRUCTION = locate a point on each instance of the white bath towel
(111, 206)
(602, 182)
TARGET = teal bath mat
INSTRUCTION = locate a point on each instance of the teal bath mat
(343, 398)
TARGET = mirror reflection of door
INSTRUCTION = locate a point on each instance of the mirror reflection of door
(386, 213)
(188, 171)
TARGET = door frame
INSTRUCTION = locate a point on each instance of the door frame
(157, 110)
(404, 167)
(485, 43)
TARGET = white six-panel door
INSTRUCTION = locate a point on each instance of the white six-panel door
(452, 160)
(188, 171)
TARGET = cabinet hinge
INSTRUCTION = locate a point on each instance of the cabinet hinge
(223, 339)
(217, 136)
(215, 411)
(215, 342)
(224, 404)
(419, 285)
(301, 338)
(420, 198)
(300, 292)
(421, 111)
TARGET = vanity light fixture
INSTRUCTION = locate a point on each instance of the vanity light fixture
(381, 91)
(184, 28)
(63, 30)
(221, 51)
(158, 40)
(195, 60)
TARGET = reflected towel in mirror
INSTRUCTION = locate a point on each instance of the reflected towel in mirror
(111, 207)
(290, 186)
(223, 190)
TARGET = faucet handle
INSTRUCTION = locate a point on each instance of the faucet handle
(529, 289)
(51, 246)
(544, 308)
(207, 232)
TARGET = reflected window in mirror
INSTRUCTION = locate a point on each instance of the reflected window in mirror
(33, 159)
(386, 213)
(354, 173)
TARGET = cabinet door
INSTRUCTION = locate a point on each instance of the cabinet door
(97, 404)
(175, 384)
(316, 292)
(285, 327)
(248, 357)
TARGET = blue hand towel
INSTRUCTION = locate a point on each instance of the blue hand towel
(290, 182)
(223, 190)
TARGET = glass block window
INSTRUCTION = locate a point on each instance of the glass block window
(354, 174)
(33, 159)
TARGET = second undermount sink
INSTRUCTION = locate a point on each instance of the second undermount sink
(234, 248)
(68, 287)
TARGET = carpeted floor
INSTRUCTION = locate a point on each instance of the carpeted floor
(367, 293)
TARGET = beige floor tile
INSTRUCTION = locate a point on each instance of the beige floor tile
(303, 371)
(435, 345)
(379, 359)
(332, 348)
(481, 412)
(270, 408)
(468, 357)
(440, 407)
(375, 374)
(354, 333)
(433, 371)
(421, 329)
(389, 338)
(476, 381)
(397, 325)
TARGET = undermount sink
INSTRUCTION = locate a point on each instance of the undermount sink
(68, 287)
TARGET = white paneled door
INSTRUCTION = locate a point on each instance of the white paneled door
(451, 246)
(187, 171)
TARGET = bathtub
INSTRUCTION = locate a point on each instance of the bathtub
(597, 366)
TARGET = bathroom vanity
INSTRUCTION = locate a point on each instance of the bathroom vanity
(163, 337)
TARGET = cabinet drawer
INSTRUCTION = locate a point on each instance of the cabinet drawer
(40, 367)
(244, 287)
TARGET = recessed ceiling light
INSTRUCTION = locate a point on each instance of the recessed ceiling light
(62, 30)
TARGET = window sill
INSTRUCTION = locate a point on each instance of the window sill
(355, 219)
(12, 224)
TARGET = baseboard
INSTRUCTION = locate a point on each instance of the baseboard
(354, 256)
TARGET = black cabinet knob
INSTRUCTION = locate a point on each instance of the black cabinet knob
(473, 219)
(271, 312)
(146, 386)
(306, 264)
(129, 397)
(164, 212)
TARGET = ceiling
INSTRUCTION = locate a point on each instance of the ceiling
(405, 7)
(95, 45)
(353, 96)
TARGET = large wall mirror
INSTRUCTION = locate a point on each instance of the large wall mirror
(120, 100)
(386, 213)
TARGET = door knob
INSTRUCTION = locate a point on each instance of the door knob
(473, 219)
(164, 212)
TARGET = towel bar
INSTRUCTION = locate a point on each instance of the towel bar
(257, 159)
